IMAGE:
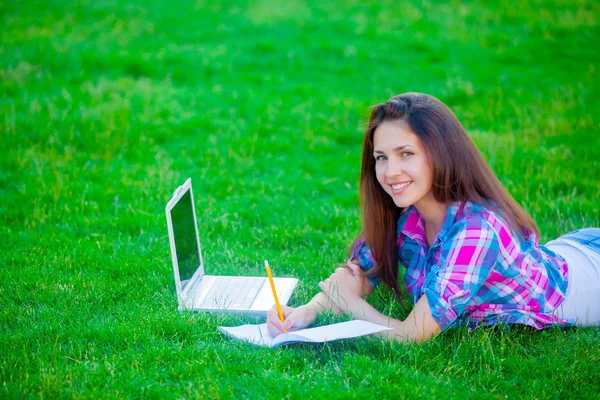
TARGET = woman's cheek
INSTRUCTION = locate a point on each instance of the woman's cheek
(380, 174)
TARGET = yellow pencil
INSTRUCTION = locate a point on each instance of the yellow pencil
(274, 293)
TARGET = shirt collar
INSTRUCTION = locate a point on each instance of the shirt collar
(414, 226)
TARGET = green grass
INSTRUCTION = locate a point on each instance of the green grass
(106, 107)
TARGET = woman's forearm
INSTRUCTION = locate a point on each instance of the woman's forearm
(322, 303)
(419, 326)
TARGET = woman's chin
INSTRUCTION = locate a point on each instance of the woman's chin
(402, 203)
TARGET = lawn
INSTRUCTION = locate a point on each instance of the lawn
(107, 106)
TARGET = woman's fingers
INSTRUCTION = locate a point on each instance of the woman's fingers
(274, 324)
(324, 287)
(354, 268)
(350, 266)
(327, 287)
(302, 317)
(286, 310)
(293, 322)
(295, 318)
(327, 283)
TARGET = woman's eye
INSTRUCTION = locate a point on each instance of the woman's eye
(380, 158)
(406, 154)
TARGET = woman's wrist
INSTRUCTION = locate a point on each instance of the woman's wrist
(322, 303)
(356, 308)
(311, 312)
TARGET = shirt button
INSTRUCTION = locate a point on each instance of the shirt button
(440, 309)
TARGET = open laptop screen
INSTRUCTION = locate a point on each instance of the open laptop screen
(184, 232)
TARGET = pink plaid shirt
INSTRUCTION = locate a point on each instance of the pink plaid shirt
(479, 270)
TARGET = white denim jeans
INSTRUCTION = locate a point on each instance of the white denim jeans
(581, 250)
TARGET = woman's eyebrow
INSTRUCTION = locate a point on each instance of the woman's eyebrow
(399, 148)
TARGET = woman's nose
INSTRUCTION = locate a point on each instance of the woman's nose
(393, 168)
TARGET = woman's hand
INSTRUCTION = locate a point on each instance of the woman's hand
(295, 318)
(345, 286)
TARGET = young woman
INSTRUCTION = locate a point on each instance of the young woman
(431, 203)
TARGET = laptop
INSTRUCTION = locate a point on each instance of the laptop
(197, 291)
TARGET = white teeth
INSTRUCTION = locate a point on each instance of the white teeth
(400, 185)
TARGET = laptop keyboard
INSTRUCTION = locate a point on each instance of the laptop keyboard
(233, 292)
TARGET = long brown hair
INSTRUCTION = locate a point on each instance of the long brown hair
(459, 174)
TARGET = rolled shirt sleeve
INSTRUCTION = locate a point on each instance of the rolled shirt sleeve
(362, 253)
(467, 257)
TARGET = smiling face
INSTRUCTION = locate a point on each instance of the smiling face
(401, 164)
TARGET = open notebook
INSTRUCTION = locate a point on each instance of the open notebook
(258, 334)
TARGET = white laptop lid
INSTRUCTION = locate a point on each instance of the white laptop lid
(183, 237)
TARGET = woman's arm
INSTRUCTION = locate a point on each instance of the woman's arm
(418, 327)
(344, 289)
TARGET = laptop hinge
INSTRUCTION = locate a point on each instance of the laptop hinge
(193, 283)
